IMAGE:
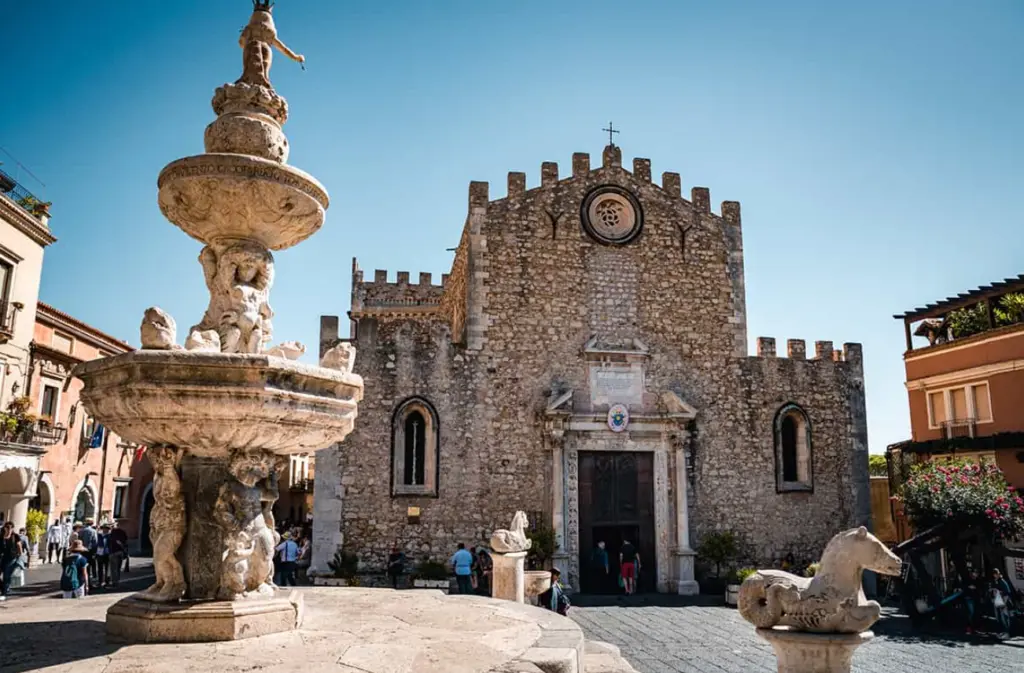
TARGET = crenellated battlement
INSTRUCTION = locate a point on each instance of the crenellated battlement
(796, 349)
(611, 157)
(382, 293)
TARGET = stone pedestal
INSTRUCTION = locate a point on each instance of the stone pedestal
(686, 585)
(802, 652)
(135, 620)
(202, 550)
(509, 576)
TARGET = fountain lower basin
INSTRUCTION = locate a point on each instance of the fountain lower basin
(212, 403)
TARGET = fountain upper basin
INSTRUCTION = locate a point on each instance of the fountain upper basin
(212, 403)
(219, 196)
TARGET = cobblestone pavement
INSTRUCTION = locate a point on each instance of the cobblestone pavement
(664, 635)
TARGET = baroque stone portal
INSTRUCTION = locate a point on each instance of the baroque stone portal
(222, 414)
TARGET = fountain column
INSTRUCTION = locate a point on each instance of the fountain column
(222, 413)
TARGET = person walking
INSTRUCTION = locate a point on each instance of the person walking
(629, 563)
(88, 537)
(103, 556)
(462, 563)
(74, 577)
(10, 553)
(118, 541)
(396, 566)
(485, 569)
(287, 554)
(599, 568)
(972, 599)
(1002, 599)
(55, 541)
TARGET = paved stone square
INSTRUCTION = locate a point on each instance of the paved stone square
(664, 635)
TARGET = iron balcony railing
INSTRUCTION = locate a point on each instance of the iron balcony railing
(302, 486)
(959, 427)
(18, 193)
(38, 434)
(8, 314)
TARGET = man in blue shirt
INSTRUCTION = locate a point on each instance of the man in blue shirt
(287, 555)
(462, 561)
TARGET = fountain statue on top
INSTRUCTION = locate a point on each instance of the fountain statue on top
(221, 414)
(815, 624)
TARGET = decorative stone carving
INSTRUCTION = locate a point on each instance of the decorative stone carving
(167, 524)
(289, 350)
(513, 540)
(833, 600)
(249, 536)
(206, 341)
(239, 277)
(243, 97)
(158, 330)
(257, 41)
(612, 214)
(341, 357)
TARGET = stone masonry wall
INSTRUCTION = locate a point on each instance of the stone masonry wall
(531, 288)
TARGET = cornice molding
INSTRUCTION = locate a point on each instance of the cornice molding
(25, 223)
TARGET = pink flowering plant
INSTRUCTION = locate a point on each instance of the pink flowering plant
(939, 492)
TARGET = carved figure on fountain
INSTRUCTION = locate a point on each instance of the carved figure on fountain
(258, 40)
(341, 357)
(239, 277)
(158, 330)
(289, 350)
(833, 600)
(250, 539)
(167, 524)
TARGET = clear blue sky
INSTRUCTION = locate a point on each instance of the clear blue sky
(876, 147)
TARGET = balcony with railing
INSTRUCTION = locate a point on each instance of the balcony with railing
(16, 191)
(302, 486)
(8, 319)
(960, 427)
(36, 436)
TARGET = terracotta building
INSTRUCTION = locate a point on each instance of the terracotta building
(87, 470)
(965, 380)
(24, 235)
(295, 503)
(586, 361)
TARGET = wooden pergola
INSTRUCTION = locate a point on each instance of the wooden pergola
(939, 309)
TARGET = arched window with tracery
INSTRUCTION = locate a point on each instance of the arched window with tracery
(794, 463)
(414, 449)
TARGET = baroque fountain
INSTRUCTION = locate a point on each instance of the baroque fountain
(222, 413)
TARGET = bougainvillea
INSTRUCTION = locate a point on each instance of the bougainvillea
(939, 492)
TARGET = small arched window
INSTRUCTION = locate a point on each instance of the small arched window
(793, 456)
(414, 453)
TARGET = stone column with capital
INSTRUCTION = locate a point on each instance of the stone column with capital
(684, 554)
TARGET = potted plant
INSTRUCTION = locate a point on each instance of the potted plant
(35, 528)
(717, 547)
(17, 420)
(431, 575)
(542, 548)
(344, 566)
(732, 590)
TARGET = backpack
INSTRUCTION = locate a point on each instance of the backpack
(69, 580)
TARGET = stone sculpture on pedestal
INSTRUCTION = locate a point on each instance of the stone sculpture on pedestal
(815, 623)
(222, 415)
(509, 549)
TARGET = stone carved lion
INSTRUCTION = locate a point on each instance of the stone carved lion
(243, 512)
(239, 277)
(158, 330)
(167, 525)
(513, 540)
(833, 600)
(341, 357)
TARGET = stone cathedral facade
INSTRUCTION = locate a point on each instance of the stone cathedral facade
(586, 361)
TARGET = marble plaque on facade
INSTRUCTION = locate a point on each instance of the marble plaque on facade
(617, 384)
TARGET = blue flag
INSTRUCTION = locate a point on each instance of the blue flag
(97, 437)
